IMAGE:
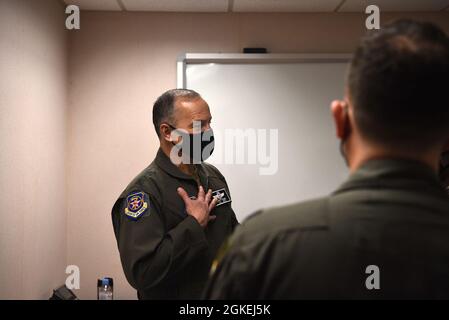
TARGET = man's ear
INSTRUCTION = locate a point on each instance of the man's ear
(339, 109)
(165, 131)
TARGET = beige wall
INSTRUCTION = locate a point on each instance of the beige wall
(32, 148)
(119, 64)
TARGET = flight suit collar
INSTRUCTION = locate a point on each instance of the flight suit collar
(393, 173)
(166, 165)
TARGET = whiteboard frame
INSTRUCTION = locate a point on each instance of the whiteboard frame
(245, 58)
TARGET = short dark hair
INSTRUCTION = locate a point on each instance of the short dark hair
(164, 106)
(398, 84)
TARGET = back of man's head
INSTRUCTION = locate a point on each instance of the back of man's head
(398, 83)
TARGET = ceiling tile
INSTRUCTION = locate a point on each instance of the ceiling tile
(394, 5)
(106, 5)
(177, 5)
(285, 5)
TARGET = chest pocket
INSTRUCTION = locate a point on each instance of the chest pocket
(173, 206)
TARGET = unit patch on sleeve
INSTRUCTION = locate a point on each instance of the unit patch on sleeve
(136, 205)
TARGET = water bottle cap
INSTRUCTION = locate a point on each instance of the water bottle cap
(105, 281)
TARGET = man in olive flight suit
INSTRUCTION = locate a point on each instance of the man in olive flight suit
(172, 218)
(385, 232)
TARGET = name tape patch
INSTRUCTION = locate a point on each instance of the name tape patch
(222, 196)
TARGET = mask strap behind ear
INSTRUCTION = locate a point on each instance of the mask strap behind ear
(345, 134)
(346, 111)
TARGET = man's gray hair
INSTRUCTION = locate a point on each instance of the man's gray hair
(164, 105)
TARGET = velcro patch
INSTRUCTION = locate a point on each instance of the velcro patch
(222, 196)
(136, 205)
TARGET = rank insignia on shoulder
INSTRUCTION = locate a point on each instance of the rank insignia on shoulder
(222, 196)
(136, 204)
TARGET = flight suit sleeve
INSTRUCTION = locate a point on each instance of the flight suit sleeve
(234, 221)
(150, 255)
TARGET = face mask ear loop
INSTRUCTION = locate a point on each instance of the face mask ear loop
(345, 135)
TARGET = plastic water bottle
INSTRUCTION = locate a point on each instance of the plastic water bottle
(105, 289)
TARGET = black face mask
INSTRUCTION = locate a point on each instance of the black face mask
(195, 147)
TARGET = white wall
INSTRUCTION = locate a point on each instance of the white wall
(32, 148)
(290, 150)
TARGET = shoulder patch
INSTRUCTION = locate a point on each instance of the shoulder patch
(137, 204)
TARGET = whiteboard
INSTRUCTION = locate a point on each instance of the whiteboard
(292, 98)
